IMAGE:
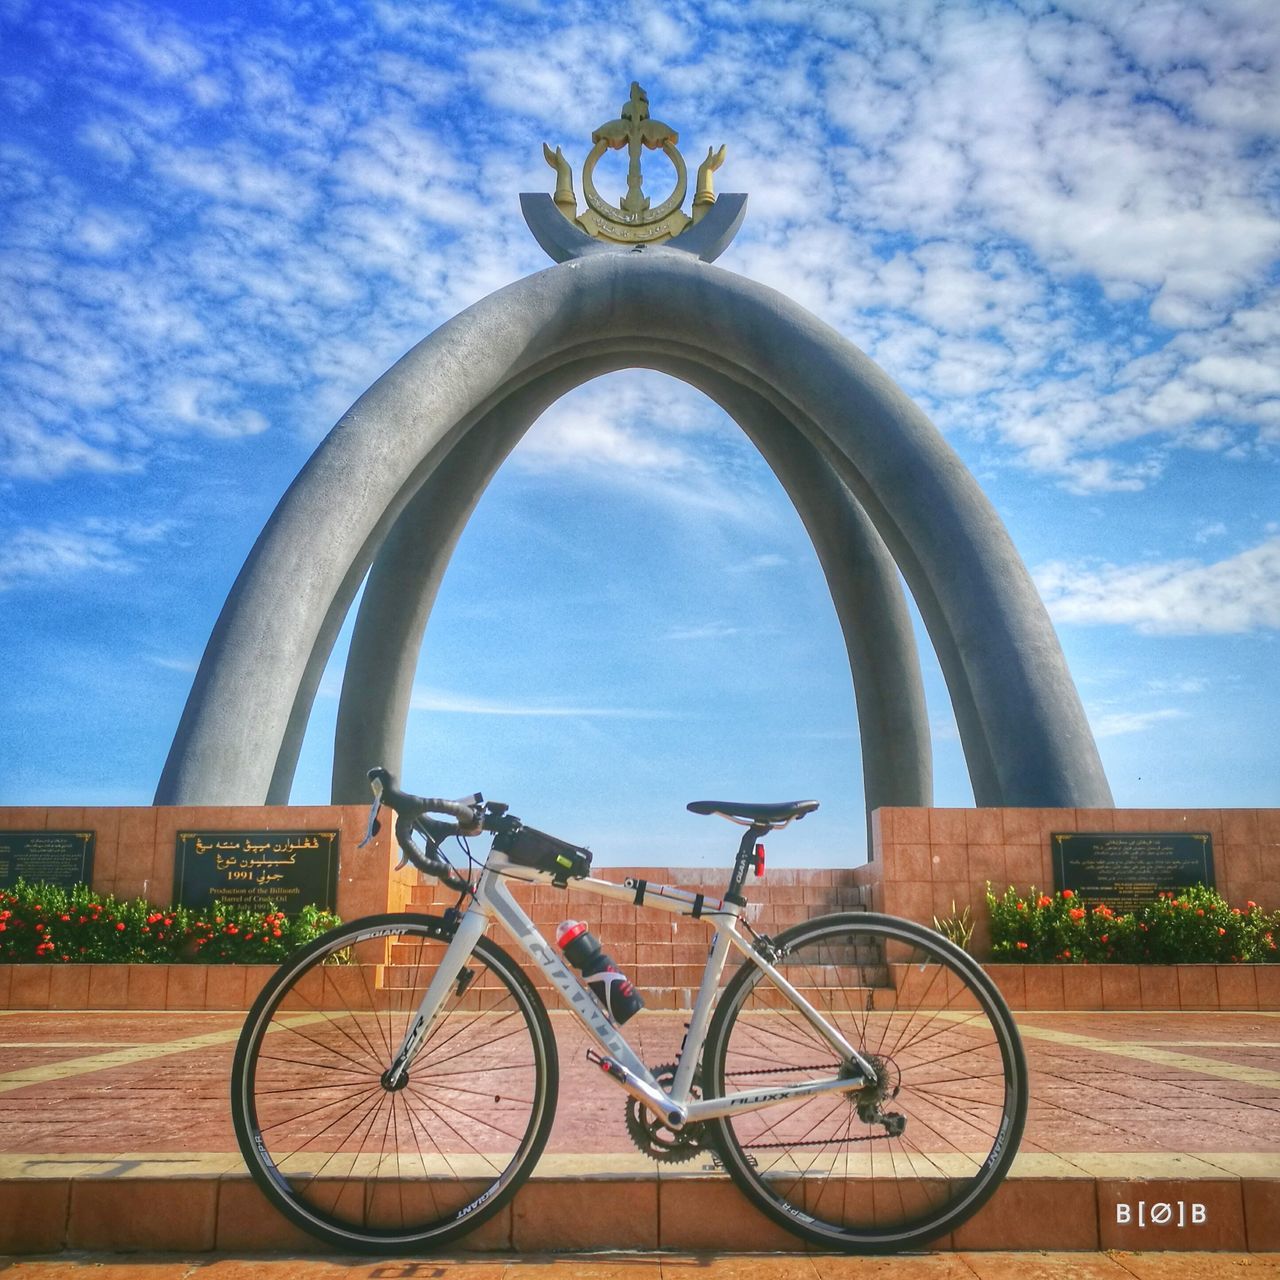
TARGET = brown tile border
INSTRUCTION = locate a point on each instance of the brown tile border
(1193, 988)
(1024, 986)
(650, 1210)
(35, 1215)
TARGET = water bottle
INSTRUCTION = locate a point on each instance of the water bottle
(611, 988)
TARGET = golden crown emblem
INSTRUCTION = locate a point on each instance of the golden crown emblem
(635, 219)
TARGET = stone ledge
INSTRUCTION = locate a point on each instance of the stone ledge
(1168, 987)
(223, 1211)
(1038, 987)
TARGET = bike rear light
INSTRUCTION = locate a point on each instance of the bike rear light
(760, 859)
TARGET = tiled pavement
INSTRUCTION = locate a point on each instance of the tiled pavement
(107, 1111)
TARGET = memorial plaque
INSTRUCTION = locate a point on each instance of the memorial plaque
(64, 858)
(289, 869)
(1128, 869)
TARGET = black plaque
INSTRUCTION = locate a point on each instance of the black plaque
(1128, 869)
(64, 858)
(289, 869)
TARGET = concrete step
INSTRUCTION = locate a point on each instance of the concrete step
(189, 1202)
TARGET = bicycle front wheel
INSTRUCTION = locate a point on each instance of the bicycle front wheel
(883, 1167)
(378, 1169)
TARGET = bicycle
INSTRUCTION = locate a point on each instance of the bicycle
(859, 1076)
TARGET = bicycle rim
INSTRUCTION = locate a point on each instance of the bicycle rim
(379, 1170)
(829, 1167)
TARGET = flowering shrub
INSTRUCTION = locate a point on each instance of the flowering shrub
(1197, 926)
(41, 922)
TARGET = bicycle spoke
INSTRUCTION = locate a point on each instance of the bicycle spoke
(889, 1162)
(368, 1164)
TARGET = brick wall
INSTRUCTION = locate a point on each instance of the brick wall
(926, 859)
(134, 847)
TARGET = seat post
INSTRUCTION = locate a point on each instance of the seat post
(743, 864)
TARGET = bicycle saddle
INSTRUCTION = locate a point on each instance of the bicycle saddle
(764, 814)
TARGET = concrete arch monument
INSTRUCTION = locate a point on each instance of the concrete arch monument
(878, 488)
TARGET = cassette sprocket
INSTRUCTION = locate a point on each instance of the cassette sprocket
(669, 1146)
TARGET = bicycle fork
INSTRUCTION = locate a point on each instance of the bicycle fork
(470, 927)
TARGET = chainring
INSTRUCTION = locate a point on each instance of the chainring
(668, 1146)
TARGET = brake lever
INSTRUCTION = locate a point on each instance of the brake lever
(375, 782)
(374, 825)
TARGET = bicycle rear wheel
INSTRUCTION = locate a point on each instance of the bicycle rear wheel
(384, 1170)
(876, 1169)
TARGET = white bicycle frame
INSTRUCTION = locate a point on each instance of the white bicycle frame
(493, 901)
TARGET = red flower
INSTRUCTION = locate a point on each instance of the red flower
(1022, 946)
(275, 933)
(1199, 911)
(1068, 894)
(39, 928)
(1044, 900)
(1251, 905)
(1221, 932)
(120, 926)
(1103, 938)
(1076, 913)
(67, 918)
(1067, 953)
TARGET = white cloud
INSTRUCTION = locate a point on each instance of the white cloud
(1187, 684)
(187, 666)
(971, 177)
(1115, 723)
(701, 631)
(766, 560)
(31, 555)
(463, 704)
(1206, 531)
(576, 437)
(202, 404)
(1246, 374)
(1179, 597)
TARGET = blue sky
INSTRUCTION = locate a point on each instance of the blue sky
(1057, 226)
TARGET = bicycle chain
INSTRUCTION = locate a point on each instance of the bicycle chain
(777, 1071)
(812, 1142)
(816, 1142)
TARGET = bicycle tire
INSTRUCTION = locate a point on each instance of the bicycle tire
(422, 1164)
(952, 1064)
